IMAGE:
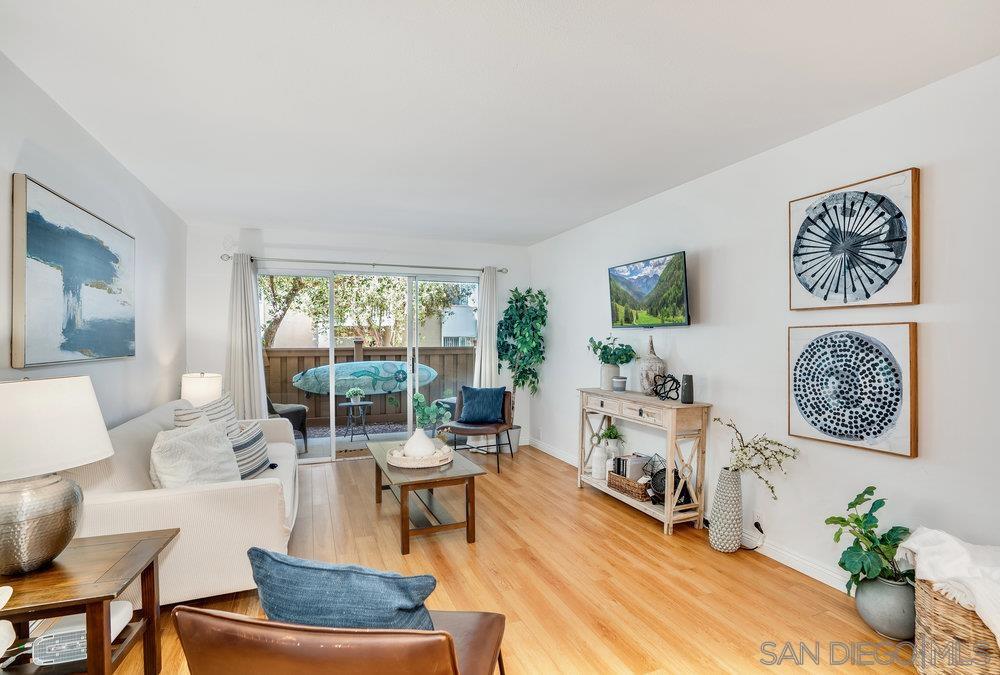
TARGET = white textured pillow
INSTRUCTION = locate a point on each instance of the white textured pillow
(164, 436)
(193, 455)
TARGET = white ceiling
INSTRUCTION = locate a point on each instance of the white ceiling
(502, 120)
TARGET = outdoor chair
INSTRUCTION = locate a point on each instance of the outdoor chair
(295, 413)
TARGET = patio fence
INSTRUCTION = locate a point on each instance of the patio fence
(454, 366)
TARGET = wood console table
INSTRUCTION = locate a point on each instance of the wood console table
(680, 422)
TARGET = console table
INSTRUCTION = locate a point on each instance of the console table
(682, 424)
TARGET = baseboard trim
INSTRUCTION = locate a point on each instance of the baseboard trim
(549, 449)
(831, 576)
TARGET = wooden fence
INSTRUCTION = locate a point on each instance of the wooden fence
(454, 366)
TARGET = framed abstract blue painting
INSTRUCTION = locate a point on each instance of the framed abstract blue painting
(73, 281)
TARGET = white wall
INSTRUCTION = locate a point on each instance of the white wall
(733, 225)
(209, 277)
(38, 138)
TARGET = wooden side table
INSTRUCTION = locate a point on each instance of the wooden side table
(85, 578)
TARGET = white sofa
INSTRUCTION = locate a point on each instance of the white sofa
(218, 522)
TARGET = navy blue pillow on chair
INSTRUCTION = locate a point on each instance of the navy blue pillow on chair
(312, 593)
(482, 405)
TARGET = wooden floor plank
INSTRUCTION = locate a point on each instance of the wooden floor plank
(588, 585)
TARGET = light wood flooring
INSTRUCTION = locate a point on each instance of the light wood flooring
(588, 585)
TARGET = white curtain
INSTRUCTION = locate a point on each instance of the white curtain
(244, 377)
(485, 372)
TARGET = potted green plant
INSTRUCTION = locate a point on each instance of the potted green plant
(610, 446)
(883, 593)
(612, 356)
(759, 455)
(521, 344)
(355, 394)
(613, 440)
(429, 417)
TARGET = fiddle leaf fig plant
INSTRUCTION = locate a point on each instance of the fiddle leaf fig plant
(521, 339)
(871, 555)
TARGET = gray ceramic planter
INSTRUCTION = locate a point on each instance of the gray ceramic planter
(887, 607)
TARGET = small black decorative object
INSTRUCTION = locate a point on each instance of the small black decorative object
(666, 387)
(656, 469)
(687, 389)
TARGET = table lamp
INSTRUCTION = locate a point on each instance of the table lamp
(48, 426)
(201, 388)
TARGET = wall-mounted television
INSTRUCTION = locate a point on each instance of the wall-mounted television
(650, 293)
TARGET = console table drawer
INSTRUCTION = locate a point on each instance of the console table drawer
(637, 412)
(608, 406)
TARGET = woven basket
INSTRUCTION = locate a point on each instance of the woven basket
(627, 487)
(950, 639)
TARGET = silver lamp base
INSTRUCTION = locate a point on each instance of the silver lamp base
(38, 518)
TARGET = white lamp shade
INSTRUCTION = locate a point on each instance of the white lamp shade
(50, 425)
(201, 388)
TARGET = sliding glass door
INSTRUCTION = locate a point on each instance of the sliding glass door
(295, 333)
(372, 352)
(356, 357)
(444, 340)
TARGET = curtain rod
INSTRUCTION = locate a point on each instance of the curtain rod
(227, 257)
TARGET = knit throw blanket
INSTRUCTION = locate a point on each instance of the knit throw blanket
(967, 573)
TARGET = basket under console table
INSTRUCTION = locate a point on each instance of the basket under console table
(682, 424)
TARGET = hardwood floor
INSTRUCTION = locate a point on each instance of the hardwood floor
(588, 585)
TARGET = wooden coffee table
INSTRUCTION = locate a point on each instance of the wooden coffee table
(85, 578)
(414, 488)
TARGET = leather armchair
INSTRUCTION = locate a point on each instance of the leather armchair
(220, 643)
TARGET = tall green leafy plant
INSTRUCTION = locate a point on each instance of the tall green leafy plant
(871, 555)
(521, 339)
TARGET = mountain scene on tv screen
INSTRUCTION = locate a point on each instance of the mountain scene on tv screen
(648, 293)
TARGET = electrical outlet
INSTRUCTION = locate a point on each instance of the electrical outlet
(758, 518)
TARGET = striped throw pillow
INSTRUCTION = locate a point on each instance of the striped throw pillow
(247, 438)
(216, 411)
(251, 450)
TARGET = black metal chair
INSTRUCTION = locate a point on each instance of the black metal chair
(295, 413)
(503, 427)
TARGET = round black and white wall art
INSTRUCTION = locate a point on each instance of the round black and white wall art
(849, 245)
(851, 385)
(853, 246)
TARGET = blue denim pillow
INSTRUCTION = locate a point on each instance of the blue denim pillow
(312, 593)
(482, 405)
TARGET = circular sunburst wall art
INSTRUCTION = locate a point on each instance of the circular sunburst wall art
(856, 245)
(848, 386)
(849, 245)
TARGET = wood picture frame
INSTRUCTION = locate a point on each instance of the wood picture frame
(856, 245)
(73, 281)
(843, 388)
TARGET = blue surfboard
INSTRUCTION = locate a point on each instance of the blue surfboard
(374, 377)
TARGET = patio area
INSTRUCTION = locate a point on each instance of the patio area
(386, 417)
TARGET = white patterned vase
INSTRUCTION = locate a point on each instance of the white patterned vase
(725, 529)
(650, 366)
